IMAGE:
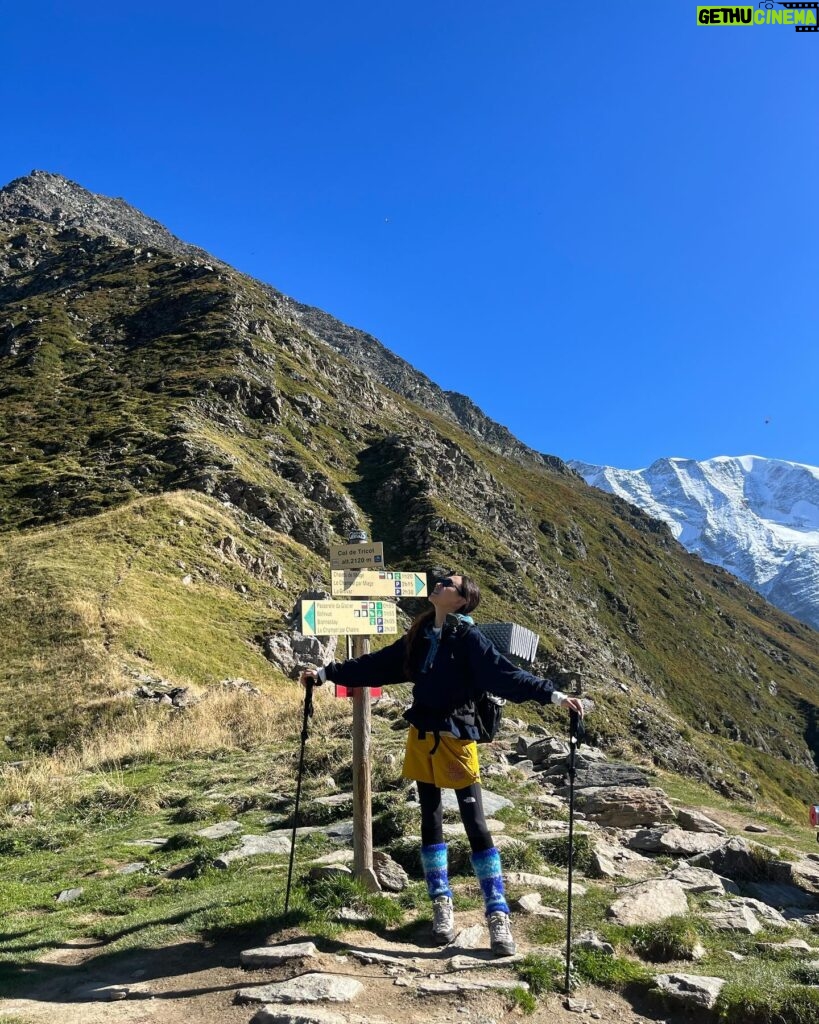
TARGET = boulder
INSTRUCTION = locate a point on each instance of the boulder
(692, 989)
(544, 749)
(701, 880)
(678, 843)
(803, 874)
(602, 774)
(524, 878)
(291, 651)
(740, 859)
(650, 902)
(391, 876)
(696, 821)
(797, 947)
(789, 898)
(590, 940)
(69, 895)
(610, 861)
(626, 806)
(769, 915)
(734, 919)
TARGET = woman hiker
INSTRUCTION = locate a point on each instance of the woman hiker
(450, 664)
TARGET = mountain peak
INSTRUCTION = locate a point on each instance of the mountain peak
(55, 199)
(756, 517)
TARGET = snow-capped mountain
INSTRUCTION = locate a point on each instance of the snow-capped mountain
(758, 518)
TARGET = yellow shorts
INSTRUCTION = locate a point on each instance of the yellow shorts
(453, 765)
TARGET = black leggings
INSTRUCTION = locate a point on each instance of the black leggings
(470, 805)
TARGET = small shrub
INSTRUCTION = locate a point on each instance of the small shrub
(407, 853)
(29, 838)
(117, 802)
(672, 939)
(556, 850)
(806, 974)
(392, 823)
(192, 810)
(523, 857)
(520, 999)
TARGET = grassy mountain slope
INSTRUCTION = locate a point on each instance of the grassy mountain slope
(154, 404)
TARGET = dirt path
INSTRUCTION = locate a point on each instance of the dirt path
(191, 982)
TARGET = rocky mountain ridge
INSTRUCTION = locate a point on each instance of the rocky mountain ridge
(758, 518)
(53, 199)
(132, 374)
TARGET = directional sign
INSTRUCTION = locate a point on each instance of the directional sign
(347, 618)
(372, 583)
(355, 556)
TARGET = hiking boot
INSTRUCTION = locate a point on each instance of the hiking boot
(500, 934)
(443, 920)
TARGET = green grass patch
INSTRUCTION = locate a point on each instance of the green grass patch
(672, 939)
(541, 973)
(611, 972)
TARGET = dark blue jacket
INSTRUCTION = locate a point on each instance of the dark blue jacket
(464, 665)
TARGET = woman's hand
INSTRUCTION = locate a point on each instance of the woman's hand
(311, 676)
(573, 704)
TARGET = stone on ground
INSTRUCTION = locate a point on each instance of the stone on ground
(692, 989)
(436, 987)
(288, 1015)
(650, 902)
(391, 876)
(309, 988)
(734, 919)
(272, 956)
(253, 846)
(701, 880)
(695, 821)
(219, 830)
(531, 903)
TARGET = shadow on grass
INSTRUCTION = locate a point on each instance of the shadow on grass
(77, 982)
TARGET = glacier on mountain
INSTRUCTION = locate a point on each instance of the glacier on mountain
(756, 517)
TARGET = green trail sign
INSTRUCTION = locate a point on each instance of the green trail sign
(348, 618)
(377, 583)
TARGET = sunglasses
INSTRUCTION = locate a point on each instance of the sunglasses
(447, 582)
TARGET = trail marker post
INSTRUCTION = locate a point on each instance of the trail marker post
(357, 571)
(362, 771)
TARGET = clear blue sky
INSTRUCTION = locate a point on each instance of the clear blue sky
(598, 220)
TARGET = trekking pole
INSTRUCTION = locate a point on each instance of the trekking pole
(308, 713)
(576, 733)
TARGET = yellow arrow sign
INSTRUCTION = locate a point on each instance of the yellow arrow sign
(374, 583)
(348, 618)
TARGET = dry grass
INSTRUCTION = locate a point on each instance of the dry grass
(222, 719)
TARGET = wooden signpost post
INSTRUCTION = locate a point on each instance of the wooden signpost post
(357, 571)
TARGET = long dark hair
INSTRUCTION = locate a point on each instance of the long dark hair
(415, 634)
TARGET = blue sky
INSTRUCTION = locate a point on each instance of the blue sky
(598, 220)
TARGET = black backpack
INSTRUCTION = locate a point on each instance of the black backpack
(488, 708)
(488, 715)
